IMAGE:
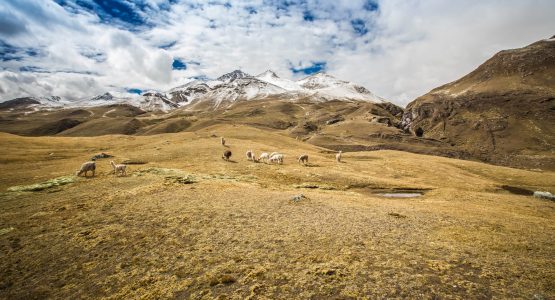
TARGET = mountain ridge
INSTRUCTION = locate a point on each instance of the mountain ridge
(227, 89)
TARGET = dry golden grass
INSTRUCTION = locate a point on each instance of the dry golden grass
(189, 225)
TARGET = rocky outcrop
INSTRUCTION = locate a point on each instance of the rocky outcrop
(18, 103)
(502, 112)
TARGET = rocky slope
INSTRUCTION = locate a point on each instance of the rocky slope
(503, 112)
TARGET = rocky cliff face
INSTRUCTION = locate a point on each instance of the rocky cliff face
(504, 111)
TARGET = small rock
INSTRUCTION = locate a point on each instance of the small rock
(544, 195)
(101, 155)
(335, 120)
(298, 198)
(396, 215)
(382, 120)
(6, 230)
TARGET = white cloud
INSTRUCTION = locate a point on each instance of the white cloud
(410, 48)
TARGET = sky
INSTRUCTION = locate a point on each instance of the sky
(398, 49)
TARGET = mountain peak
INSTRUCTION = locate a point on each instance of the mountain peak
(321, 74)
(268, 74)
(105, 96)
(236, 74)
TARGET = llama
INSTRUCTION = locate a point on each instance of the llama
(120, 169)
(226, 155)
(277, 158)
(264, 157)
(338, 156)
(86, 167)
(251, 156)
(303, 159)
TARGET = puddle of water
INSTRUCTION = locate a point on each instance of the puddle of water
(400, 192)
(400, 195)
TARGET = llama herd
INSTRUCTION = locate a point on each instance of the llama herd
(268, 158)
(273, 158)
(118, 169)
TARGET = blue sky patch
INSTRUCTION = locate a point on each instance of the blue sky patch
(178, 65)
(135, 91)
(251, 9)
(371, 6)
(9, 52)
(359, 26)
(308, 16)
(32, 69)
(112, 11)
(314, 68)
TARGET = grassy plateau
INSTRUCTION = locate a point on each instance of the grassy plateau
(185, 224)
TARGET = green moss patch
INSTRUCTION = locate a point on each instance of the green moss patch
(44, 185)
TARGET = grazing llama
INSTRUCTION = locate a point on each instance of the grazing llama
(303, 159)
(86, 167)
(119, 169)
(250, 155)
(226, 155)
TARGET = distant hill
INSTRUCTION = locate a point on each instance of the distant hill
(502, 112)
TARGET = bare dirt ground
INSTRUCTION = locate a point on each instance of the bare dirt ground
(187, 224)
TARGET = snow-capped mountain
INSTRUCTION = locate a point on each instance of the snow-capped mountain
(238, 86)
(103, 97)
(34, 103)
(271, 77)
(237, 74)
(329, 88)
(148, 101)
(227, 89)
(151, 101)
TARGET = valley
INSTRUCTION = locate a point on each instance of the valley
(186, 224)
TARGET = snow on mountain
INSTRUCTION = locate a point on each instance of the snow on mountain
(187, 93)
(34, 103)
(227, 89)
(271, 77)
(148, 101)
(320, 86)
(151, 101)
(329, 88)
(103, 97)
(242, 88)
(237, 74)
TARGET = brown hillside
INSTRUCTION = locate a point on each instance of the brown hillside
(503, 112)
